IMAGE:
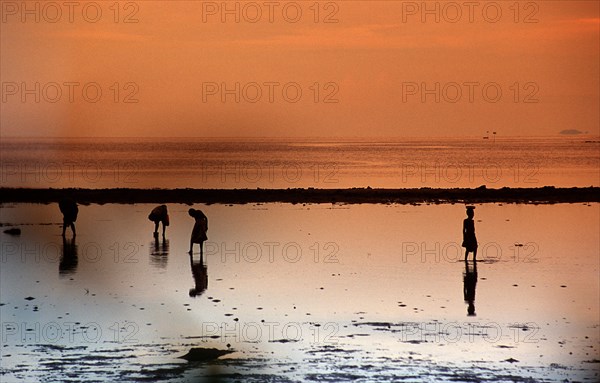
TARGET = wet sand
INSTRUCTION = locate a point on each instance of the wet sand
(547, 194)
(305, 292)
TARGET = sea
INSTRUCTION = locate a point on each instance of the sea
(301, 292)
(230, 163)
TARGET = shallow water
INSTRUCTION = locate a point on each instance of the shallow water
(291, 163)
(302, 293)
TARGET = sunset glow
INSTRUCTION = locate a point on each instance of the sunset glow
(356, 68)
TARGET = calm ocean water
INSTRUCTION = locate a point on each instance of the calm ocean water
(315, 293)
(283, 163)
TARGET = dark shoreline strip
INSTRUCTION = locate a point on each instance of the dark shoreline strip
(547, 194)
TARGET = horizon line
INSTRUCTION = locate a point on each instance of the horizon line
(556, 135)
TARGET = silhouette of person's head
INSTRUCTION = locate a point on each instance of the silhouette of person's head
(196, 213)
(470, 211)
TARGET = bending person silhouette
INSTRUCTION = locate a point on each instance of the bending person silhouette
(68, 208)
(200, 274)
(469, 284)
(157, 215)
(469, 239)
(200, 229)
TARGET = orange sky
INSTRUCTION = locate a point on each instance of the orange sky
(374, 61)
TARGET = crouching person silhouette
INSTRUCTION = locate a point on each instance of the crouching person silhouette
(68, 208)
(157, 215)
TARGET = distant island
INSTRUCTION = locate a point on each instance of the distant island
(547, 194)
(571, 132)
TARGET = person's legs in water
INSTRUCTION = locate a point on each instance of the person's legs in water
(69, 224)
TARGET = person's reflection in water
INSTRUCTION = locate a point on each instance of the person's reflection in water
(469, 284)
(159, 252)
(68, 259)
(200, 274)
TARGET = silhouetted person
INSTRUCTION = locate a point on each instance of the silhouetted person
(469, 239)
(157, 215)
(68, 208)
(200, 229)
(200, 274)
(469, 284)
(159, 252)
(68, 259)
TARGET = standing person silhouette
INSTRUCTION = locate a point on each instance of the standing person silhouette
(200, 229)
(68, 208)
(157, 215)
(469, 239)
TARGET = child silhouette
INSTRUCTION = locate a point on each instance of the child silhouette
(469, 239)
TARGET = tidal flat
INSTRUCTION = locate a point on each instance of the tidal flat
(301, 292)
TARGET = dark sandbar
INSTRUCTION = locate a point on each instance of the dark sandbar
(547, 194)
